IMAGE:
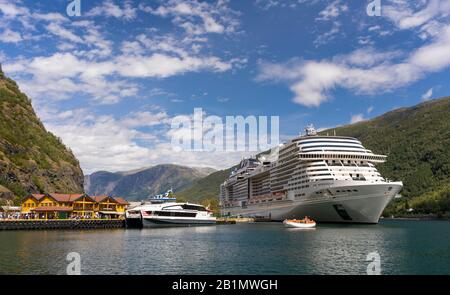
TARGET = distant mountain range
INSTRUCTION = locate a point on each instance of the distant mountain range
(32, 160)
(141, 183)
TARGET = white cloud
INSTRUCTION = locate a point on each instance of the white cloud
(146, 119)
(357, 118)
(223, 99)
(11, 10)
(102, 143)
(132, 48)
(50, 17)
(59, 31)
(62, 74)
(109, 9)
(381, 32)
(408, 14)
(332, 10)
(365, 40)
(290, 4)
(197, 17)
(9, 36)
(108, 143)
(329, 35)
(162, 66)
(370, 109)
(71, 35)
(370, 63)
(330, 13)
(86, 64)
(311, 81)
(367, 56)
(427, 95)
(267, 4)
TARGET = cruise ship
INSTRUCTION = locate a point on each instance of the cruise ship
(327, 178)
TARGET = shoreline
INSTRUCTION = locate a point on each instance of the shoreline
(418, 218)
(61, 224)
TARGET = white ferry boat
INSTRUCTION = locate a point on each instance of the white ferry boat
(329, 178)
(164, 211)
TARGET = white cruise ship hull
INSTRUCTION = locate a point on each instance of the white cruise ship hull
(363, 206)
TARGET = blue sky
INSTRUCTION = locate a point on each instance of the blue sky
(110, 81)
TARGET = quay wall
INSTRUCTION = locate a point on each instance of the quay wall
(61, 224)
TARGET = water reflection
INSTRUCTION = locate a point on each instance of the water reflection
(404, 247)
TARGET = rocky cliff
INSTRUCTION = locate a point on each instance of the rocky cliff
(31, 158)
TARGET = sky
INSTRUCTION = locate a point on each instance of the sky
(110, 81)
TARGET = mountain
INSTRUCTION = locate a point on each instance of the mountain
(416, 140)
(204, 188)
(142, 183)
(32, 159)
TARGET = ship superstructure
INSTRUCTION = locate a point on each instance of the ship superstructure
(329, 178)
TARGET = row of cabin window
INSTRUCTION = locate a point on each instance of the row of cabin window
(341, 156)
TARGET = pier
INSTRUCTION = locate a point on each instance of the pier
(61, 224)
(234, 220)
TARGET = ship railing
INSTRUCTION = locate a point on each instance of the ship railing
(266, 198)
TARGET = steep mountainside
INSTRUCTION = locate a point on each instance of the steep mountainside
(31, 159)
(205, 188)
(417, 142)
(142, 183)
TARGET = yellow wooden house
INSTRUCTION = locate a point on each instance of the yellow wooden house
(110, 206)
(121, 205)
(61, 206)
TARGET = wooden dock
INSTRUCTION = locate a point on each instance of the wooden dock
(61, 224)
(234, 220)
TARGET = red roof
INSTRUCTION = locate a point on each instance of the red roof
(37, 196)
(70, 198)
(66, 197)
(98, 199)
(121, 201)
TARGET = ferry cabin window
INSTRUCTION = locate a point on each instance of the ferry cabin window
(175, 214)
(192, 207)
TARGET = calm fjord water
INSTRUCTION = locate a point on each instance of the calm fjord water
(405, 247)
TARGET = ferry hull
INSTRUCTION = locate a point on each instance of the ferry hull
(171, 222)
(366, 206)
(133, 222)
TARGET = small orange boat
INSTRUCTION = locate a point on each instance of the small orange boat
(302, 223)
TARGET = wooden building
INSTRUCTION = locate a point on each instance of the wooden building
(62, 206)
